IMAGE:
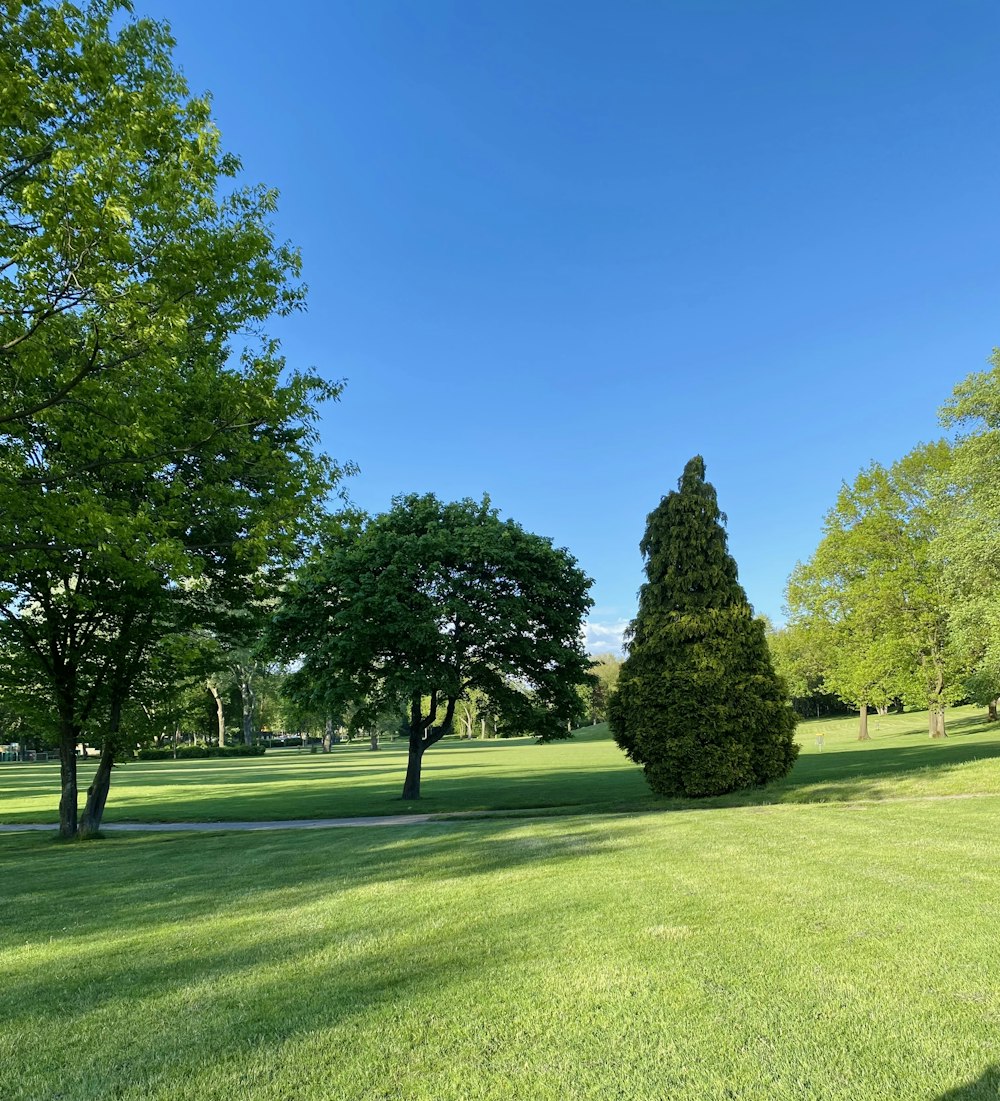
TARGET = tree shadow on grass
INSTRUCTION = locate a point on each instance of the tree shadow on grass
(133, 880)
(346, 787)
(234, 943)
(985, 1088)
(863, 772)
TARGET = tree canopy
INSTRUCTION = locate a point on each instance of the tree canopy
(427, 604)
(156, 457)
(874, 592)
(698, 703)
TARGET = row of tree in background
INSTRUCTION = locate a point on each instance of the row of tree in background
(897, 606)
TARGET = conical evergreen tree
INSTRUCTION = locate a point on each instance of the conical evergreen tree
(698, 704)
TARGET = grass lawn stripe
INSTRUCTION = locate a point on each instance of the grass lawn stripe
(794, 951)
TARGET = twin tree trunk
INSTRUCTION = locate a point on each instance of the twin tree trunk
(423, 734)
(71, 824)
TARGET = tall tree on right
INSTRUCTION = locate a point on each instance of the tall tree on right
(698, 704)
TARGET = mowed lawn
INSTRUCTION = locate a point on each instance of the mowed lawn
(807, 951)
(588, 773)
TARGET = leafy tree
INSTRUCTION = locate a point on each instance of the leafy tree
(874, 589)
(698, 704)
(433, 603)
(968, 547)
(114, 237)
(155, 455)
(604, 669)
(800, 659)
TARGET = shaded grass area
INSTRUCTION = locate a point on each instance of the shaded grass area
(588, 773)
(784, 952)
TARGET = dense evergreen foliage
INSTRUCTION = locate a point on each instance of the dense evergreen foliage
(699, 705)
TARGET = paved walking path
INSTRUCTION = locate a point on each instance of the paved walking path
(204, 827)
(451, 816)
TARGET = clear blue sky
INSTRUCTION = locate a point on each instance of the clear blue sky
(557, 248)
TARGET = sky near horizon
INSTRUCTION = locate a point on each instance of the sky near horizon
(558, 248)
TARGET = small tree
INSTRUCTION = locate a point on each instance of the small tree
(433, 603)
(698, 704)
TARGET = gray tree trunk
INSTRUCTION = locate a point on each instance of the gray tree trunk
(219, 712)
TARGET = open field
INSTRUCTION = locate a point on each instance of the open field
(834, 952)
(588, 773)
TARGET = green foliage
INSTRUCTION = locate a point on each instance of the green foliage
(604, 670)
(872, 599)
(432, 603)
(156, 458)
(798, 656)
(698, 704)
(116, 233)
(968, 548)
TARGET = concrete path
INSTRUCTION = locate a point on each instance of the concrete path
(205, 827)
(451, 816)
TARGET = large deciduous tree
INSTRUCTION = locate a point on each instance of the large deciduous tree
(698, 704)
(968, 547)
(875, 589)
(432, 603)
(155, 455)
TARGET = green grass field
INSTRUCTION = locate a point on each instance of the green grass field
(588, 773)
(835, 938)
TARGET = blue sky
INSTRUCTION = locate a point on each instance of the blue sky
(559, 248)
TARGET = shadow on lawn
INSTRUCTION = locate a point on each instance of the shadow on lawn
(985, 1088)
(861, 771)
(362, 783)
(224, 944)
(109, 884)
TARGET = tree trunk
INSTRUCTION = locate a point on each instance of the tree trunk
(220, 714)
(882, 709)
(247, 699)
(374, 739)
(67, 782)
(97, 793)
(328, 735)
(423, 734)
(991, 711)
(935, 723)
(411, 785)
(863, 735)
